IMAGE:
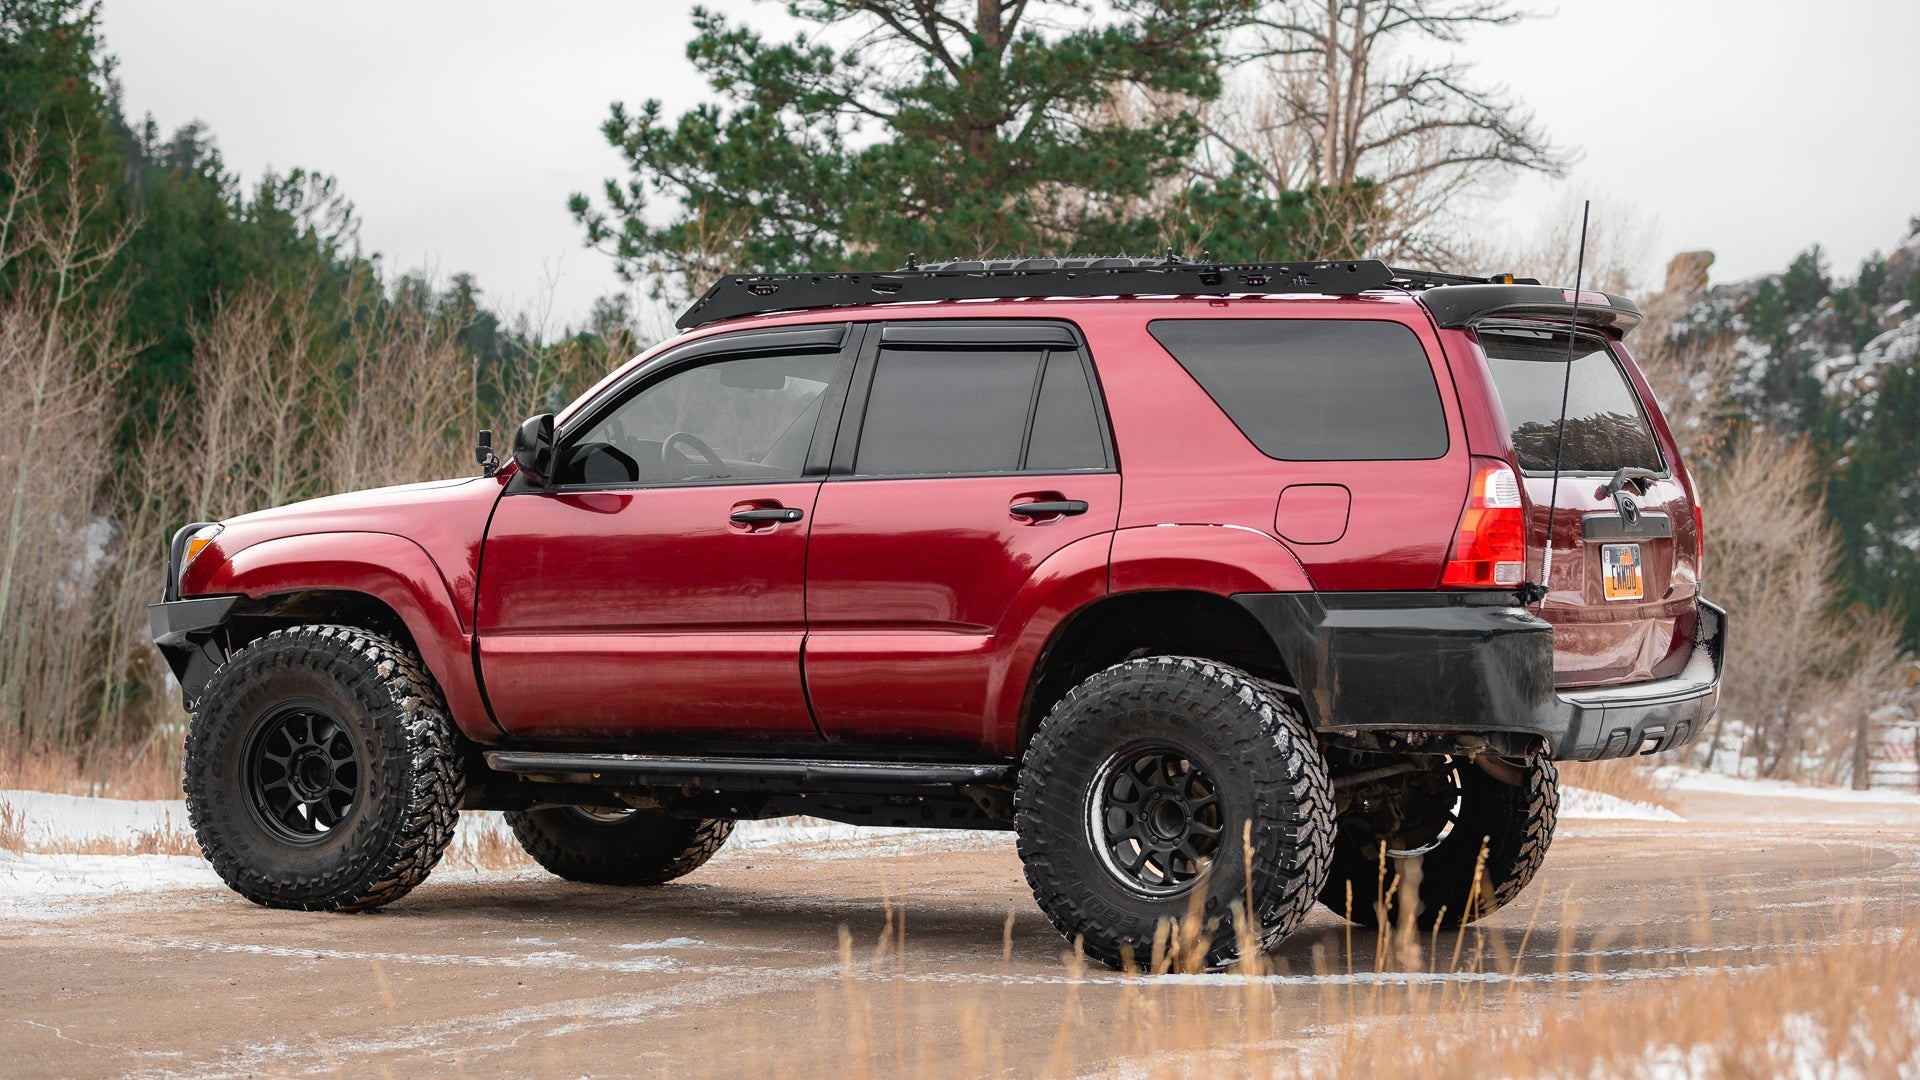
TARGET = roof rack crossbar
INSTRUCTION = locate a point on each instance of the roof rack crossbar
(753, 294)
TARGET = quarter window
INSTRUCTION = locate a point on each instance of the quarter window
(1316, 389)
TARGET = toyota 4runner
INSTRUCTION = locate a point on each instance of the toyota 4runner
(1222, 587)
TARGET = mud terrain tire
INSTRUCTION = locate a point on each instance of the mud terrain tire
(1514, 823)
(1160, 752)
(321, 770)
(635, 847)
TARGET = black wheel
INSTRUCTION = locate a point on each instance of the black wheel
(1135, 796)
(1446, 819)
(321, 771)
(617, 847)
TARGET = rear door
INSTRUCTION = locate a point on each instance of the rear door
(1622, 585)
(971, 452)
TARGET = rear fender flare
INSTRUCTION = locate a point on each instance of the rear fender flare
(392, 569)
(1221, 559)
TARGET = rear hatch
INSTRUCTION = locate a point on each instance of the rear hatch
(1624, 569)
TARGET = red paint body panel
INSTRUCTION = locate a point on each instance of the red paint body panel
(393, 569)
(912, 588)
(1186, 463)
(616, 614)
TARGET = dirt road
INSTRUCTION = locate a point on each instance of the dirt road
(739, 969)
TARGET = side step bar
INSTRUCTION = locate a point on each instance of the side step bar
(749, 774)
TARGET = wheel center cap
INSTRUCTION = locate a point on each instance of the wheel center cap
(1168, 819)
(311, 774)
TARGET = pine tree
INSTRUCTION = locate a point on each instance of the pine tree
(947, 129)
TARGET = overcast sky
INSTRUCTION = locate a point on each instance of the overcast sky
(458, 127)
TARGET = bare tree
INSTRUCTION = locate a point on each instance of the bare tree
(1342, 104)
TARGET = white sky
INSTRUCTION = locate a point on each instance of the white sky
(459, 127)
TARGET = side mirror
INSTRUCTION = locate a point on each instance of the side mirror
(533, 448)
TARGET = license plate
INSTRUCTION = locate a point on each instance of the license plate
(1620, 571)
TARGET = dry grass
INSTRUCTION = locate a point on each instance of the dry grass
(1631, 779)
(165, 840)
(13, 827)
(486, 849)
(146, 770)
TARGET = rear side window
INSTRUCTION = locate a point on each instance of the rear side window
(1316, 389)
(1606, 428)
(956, 411)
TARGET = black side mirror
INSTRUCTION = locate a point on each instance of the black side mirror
(533, 448)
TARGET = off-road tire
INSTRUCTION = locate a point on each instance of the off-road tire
(1252, 747)
(1515, 825)
(644, 847)
(407, 781)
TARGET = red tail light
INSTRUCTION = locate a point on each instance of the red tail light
(1491, 547)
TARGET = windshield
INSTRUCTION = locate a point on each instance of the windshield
(1606, 429)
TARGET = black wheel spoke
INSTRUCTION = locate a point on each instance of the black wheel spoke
(1157, 818)
(302, 773)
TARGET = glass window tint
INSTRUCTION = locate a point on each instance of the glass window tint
(947, 411)
(1066, 426)
(1316, 389)
(1606, 427)
(748, 418)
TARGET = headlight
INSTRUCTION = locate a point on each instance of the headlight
(197, 543)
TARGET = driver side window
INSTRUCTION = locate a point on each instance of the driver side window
(743, 418)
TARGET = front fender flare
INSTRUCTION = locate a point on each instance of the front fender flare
(392, 569)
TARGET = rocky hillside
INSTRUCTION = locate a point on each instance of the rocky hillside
(1838, 360)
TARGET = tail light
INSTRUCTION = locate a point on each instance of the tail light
(1490, 548)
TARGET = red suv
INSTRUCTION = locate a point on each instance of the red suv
(1214, 580)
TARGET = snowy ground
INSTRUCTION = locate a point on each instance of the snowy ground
(58, 827)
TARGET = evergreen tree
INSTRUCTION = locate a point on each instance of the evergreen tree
(946, 129)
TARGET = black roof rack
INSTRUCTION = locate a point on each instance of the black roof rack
(752, 294)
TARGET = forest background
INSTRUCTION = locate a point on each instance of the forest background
(175, 345)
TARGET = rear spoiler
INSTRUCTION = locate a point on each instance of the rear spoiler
(1465, 305)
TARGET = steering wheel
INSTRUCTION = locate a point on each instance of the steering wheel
(693, 442)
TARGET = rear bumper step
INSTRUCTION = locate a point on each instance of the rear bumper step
(745, 774)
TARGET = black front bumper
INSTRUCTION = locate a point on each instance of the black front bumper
(189, 634)
(1476, 663)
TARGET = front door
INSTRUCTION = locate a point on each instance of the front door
(655, 586)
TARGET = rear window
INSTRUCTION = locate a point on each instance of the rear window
(1315, 389)
(1606, 428)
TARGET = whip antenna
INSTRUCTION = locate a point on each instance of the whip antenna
(1560, 426)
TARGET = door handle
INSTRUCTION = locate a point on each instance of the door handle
(766, 515)
(1062, 507)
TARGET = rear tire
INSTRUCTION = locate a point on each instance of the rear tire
(321, 771)
(1514, 825)
(615, 847)
(1133, 800)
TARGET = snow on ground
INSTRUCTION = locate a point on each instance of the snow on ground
(1681, 778)
(1581, 803)
(54, 822)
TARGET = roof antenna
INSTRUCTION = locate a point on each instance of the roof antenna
(1531, 592)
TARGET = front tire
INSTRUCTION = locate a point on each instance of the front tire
(617, 847)
(1135, 796)
(1487, 855)
(321, 772)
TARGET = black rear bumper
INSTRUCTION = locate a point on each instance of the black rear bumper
(1475, 663)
